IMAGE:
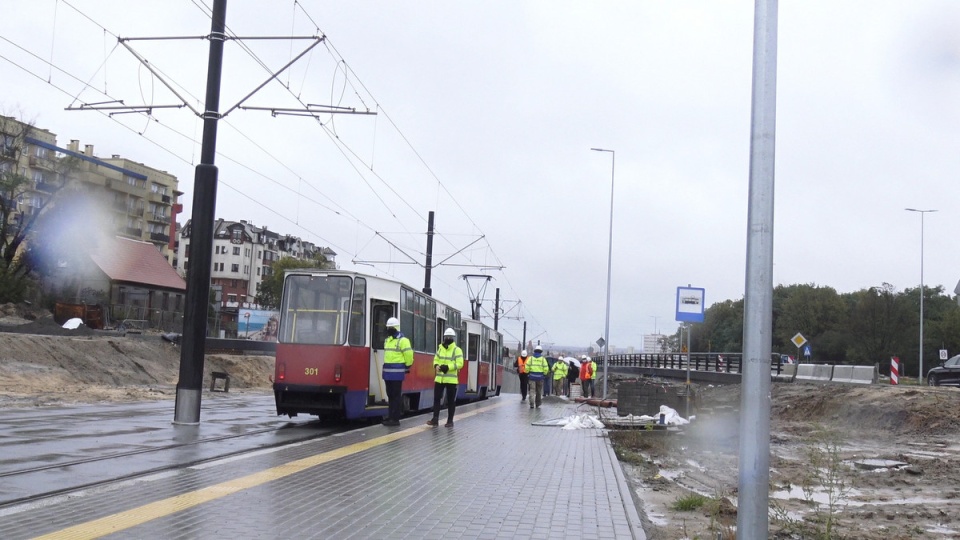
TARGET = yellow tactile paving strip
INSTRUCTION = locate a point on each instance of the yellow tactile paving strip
(143, 514)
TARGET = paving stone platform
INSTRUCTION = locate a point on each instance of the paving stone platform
(495, 474)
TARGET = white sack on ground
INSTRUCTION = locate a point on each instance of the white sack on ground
(670, 417)
(73, 324)
(581, 421)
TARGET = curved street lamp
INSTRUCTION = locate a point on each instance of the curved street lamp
(606, 328)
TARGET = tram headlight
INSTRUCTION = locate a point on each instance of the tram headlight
(337, 373)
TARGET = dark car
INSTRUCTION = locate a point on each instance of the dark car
(946, 373)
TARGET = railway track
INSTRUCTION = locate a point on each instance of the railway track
(52, 464)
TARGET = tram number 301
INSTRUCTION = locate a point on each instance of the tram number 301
(311, 371)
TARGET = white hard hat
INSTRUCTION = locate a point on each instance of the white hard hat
(523, 352)
(538, 348)
(393, 322)
(449, 332)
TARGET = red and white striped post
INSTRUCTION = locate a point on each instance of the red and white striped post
(894, 370)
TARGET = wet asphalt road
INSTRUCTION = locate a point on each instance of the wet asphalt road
(56, 449)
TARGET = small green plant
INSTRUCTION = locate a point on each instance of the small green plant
(689, 503)
(824, 489)
(827, 475)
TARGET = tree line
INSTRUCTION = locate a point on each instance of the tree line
(859, 328)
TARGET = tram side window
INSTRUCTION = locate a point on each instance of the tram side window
(485, 351)
(430, 324)
(407, 306)
(493, 349)
(357, 328)
(315, 309)
(474, 346)
(420, 326)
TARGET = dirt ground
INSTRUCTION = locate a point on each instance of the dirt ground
(819, 434)
(44, 364)
(846, 461)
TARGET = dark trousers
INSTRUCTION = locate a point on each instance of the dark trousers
(395, 397)
(438, 390)
(524, 382)
(588, 388)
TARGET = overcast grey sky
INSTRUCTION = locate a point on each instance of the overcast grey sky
(501, 101)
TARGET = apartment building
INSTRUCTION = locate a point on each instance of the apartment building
(142, 202)
(243, 254)
(655, 343)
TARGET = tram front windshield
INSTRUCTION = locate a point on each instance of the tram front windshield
(315, 309)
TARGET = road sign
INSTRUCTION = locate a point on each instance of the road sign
(798, 340)
(690, 304)
(943, 354)
(600, 342)
(806, 351)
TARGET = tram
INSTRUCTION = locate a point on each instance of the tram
(330, 346)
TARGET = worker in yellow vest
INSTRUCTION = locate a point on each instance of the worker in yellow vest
(397, 359)
(559, 370)
(447, 364)
(537, 369)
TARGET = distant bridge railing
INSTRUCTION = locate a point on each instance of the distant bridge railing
(721, 362)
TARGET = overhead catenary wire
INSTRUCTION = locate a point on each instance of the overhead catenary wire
(351, 80)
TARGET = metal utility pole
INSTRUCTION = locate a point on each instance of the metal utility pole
(496, 311)
(606, 327)
(429, 266)
(920, 376)
(754, 460)
(190, 384)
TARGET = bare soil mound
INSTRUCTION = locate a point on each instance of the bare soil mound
(871, 462)
(79, 367)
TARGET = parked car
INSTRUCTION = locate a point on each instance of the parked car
(946, 373)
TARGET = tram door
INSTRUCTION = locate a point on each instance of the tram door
(380, 311)
(473, 361)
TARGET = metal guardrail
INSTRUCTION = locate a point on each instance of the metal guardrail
(719, 362)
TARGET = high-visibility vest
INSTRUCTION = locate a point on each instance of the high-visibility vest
(397, 357)
(452, 357)
(559, 369)
(586, 370)
(537, 367)
(522, 364)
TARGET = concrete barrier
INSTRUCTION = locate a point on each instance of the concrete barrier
(814, 372)
(866, 374)
(856, 374)
(842, 374)
(788, 372)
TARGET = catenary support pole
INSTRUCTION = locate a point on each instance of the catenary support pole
(427, 289)
(190, 384)
(754, 460)
(496, 311)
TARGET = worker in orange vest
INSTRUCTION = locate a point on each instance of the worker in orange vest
(588, 372)
(521, 365)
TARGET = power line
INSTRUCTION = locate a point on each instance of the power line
(351, 79)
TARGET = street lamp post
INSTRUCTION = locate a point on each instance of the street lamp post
(921, 212)
(606, 328)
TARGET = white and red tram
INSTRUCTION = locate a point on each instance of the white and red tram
(330, 345)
